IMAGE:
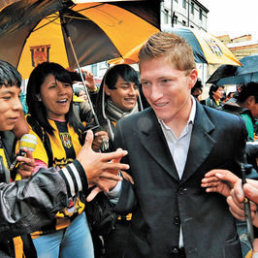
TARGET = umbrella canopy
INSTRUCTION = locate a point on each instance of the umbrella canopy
(130, 57)
(98, 31)
(229, 74)
(206, 48)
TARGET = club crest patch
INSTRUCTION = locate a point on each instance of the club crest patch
(66, 140)
(39, 54)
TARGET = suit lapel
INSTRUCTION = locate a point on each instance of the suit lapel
(201, 142)
(154, 142)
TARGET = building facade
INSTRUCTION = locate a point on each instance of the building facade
(189, 13)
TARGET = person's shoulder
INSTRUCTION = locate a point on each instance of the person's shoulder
(220, 115)
(137, 116)
(137, 121)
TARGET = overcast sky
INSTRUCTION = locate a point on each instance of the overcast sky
(232, 17)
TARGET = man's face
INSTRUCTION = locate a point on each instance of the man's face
(125, 94)
(10, 106)
(218, 94)
(167, 89)
(253, 106)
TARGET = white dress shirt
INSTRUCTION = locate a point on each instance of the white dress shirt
(179, 147)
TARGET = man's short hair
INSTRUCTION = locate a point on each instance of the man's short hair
(9, 76)
(247, 90)
(174, 48)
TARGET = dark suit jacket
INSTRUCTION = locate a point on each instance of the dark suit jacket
(164, 202)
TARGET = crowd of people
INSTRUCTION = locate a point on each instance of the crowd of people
(171, 169)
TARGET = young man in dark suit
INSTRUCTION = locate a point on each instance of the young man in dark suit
(171, 146)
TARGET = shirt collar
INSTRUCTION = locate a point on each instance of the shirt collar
(191, 116)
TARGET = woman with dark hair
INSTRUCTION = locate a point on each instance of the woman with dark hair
(215, 94)
(118, 96)
(59, 137)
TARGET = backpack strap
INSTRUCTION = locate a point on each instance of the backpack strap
(43, 136)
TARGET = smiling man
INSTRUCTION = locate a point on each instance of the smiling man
(171, 146)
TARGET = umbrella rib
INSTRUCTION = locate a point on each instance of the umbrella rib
(51, 21)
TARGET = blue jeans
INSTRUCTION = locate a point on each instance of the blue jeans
(74, 241)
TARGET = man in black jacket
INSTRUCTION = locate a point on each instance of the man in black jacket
(29, 204)
(171, 146)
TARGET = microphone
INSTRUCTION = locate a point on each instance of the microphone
(27, 141)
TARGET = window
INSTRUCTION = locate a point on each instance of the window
(94, 68)
(166, 16)
(175, 19)
(200, 14)
(192, 8)
(184, 4)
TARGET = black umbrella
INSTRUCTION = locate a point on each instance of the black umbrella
(229, 74)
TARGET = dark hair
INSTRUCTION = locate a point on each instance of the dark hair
(110, 78)
(214, 88)
(9, 76)
(36, 108)
(247, 90)
(123, 70)
(198, 85)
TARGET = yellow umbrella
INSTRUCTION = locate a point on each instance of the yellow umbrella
(98, 31)
(206, 48)
(130, 57)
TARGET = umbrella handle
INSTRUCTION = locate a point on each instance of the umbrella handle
(63, 24)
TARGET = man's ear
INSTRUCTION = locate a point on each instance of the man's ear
(193, 76)
(250, 100)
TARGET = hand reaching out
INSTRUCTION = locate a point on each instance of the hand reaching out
(100, 138)
(89, 79)
(104, 184)
(97, 165)
(229, 185)
(220, 181)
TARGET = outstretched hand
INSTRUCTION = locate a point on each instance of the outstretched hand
(100, 166)
(220, 181)
(104, 184)
(228, 184)
(236, 201)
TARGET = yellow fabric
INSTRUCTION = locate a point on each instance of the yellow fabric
(18, 246)
(47, 38)
(77, 99)
(70, 139)
(128, 217)
(17, 241)
(249, 254)
(2, 154)
(118, 19)
(59, 155)
(216, 52)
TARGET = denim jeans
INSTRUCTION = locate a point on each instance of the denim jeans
(242, 232)
(74, 241)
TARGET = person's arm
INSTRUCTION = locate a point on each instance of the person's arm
(229, 185)
(29, 204)
(214, 181)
